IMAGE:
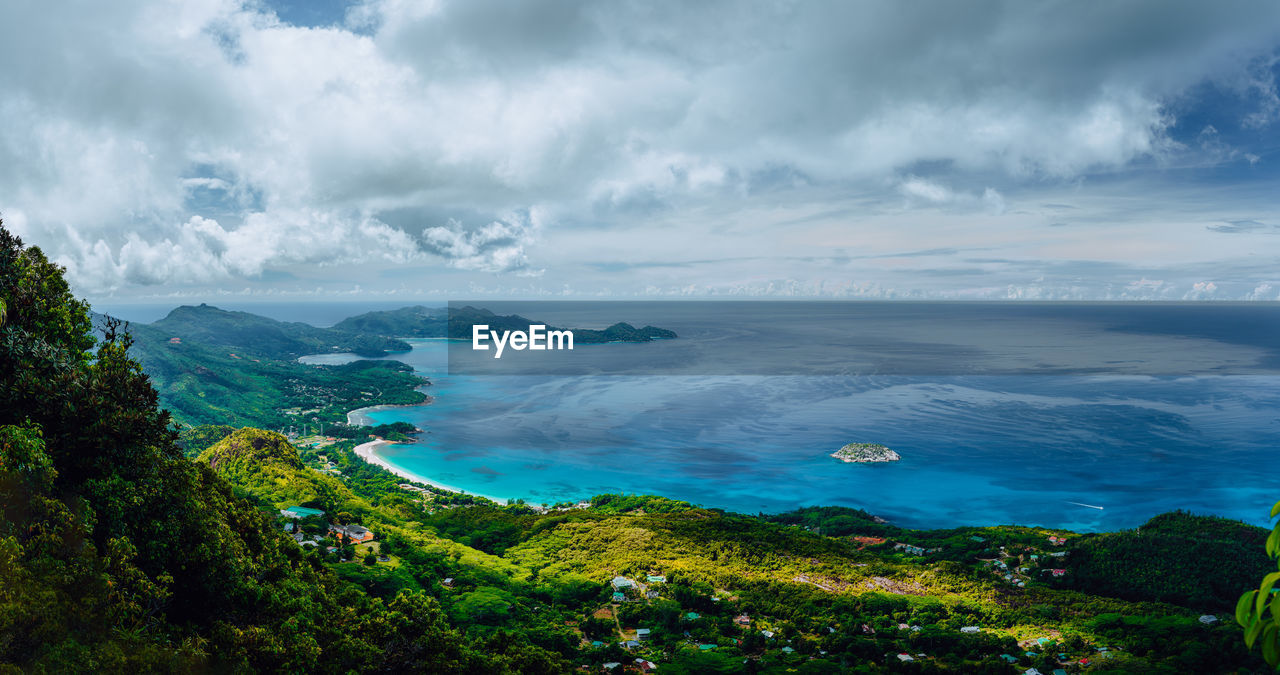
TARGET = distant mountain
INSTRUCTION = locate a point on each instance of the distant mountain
(246, 333)
(436, 322)
(234, 379)
(407, 322)
(461, 321)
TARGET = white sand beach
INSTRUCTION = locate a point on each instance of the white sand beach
(369, 453)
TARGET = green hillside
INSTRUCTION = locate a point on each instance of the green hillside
(203, 383)
(406, 322)
(251, 335)
(118, 554)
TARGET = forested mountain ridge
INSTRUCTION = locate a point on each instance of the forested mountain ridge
(219, 382)
(253, 335)
(407, 322)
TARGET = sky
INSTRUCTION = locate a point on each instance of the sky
(169, 151)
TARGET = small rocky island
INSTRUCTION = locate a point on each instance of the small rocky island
(865, 452)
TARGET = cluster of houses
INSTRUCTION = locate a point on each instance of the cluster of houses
(354, 534)
(622, 584)
(641, 665)
(912, 549)
(1033, 560)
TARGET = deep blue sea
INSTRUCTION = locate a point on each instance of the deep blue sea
(1033, 449)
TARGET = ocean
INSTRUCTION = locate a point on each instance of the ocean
(1057, 443)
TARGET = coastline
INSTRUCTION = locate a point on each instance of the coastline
(369, 453)
(360, 416)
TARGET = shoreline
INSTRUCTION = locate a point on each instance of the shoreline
(369, 453)
(360, 416)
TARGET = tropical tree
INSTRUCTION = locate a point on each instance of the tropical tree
(1258, 612)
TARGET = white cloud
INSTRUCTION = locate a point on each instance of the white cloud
(496, 247)
(147, 143)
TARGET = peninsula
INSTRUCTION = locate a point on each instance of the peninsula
(865, 452)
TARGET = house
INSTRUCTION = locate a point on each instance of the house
(642, 634)
(1031, 671)
(619, 597)
(646, 666)
(652, 595)
(656, 579)
(867, 629)
(620, 583)
(357, 534)
(1057, 541)
(1058, 572)
(742, 620)
(905, 658)
(300, 512)
(903, 626)
(767, 633)
(1009, 658)
(629, 644)
(1208, 619)
(611, 665)
(788, 650)
(175, 340)
(448, 582)
(692, 616)
(706, 647)
(970, 629)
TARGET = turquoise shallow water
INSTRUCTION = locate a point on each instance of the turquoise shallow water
(977, 450)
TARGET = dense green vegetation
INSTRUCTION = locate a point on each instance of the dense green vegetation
(206, 384)
(408, 322)
(251, 335)
(118, 552)
(1178, 558)
(1258, 611)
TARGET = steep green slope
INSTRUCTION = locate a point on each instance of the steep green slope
(1194, 561)
(267, 466)
(119, 554)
